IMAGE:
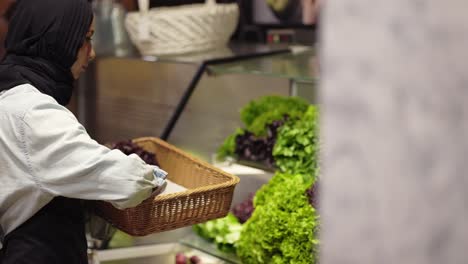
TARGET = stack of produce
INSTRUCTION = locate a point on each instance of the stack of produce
(297, 145)
(279, 224)
(283, 226)
(128, 147)
(262, 120)
(224, 232)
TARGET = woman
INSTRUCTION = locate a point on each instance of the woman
(47, 160)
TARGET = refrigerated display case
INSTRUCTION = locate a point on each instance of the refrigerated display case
(193, 102)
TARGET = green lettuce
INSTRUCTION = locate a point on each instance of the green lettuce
(297, 145)
(256, 115)
(224, 232)
(283, 226)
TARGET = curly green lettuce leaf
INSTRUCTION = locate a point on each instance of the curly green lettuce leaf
(283, 226)
(297, 145)
(257, 114)
(224, 232)
(285, 190)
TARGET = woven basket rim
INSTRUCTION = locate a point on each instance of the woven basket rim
(163, 197)
(189, 8)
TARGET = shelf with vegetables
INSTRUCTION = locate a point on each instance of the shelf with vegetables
(213, 103)
(284, 214)
(279, 223)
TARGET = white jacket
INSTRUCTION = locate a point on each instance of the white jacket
(46, 152)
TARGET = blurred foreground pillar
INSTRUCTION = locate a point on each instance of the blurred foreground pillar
(395, 130)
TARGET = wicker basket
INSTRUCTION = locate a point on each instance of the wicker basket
(208, 196)
(182, 29)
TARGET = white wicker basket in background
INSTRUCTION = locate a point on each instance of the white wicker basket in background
(182, 29)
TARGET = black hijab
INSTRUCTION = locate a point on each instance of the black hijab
(42, 44)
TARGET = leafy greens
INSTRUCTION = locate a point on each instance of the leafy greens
(283, 226)
(297, 145)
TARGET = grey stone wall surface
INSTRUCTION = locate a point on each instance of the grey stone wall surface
(394, 94)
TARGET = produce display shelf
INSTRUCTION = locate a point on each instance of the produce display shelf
(196, 242)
